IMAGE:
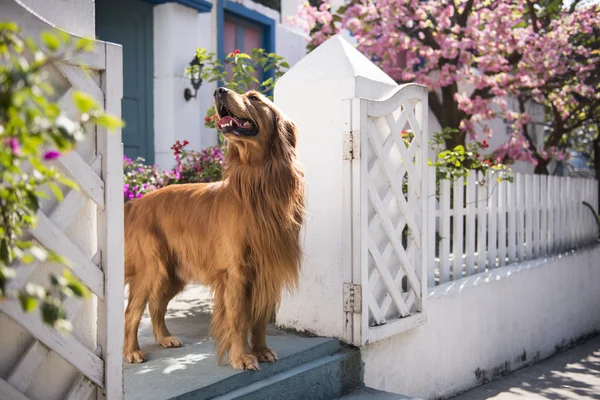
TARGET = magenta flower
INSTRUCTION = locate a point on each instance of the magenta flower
(14, 145)
(51, 155)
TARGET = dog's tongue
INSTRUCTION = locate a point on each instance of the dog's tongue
(234, 122)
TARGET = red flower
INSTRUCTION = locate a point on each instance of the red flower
(237, 51)
(477, 155)
(185, 142)
(206, 119)
(485, 144)
(487, 162)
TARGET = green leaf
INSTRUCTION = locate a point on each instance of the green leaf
(56, 190)
(85, 45)
(28, 303)
(51, 41)
(67, 182)
(110, 122)
(84, 102)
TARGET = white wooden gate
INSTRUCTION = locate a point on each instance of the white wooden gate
(390, 183)
(87, 228)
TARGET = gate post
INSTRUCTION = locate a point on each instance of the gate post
(319, 94)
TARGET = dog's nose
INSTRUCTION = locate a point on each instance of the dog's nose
(220, 92)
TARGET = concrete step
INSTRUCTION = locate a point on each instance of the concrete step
(367, 393)
(191, 372)
(325, 378)
(308, 367)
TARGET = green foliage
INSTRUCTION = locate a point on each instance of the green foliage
(242, 75)
(34, 131)
(460, 161)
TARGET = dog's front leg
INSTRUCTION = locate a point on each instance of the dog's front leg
(259, 342)
(238, 323)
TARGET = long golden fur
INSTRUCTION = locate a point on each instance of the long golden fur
(240, 237)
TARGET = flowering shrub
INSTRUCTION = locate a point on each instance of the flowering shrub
(34, 131)
(460, 161)
(242, 78)
(191, 167)
(140, 178)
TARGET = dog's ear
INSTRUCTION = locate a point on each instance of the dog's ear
(287, 129)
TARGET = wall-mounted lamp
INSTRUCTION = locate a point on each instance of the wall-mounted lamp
(195, 72)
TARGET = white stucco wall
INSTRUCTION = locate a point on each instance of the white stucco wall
(489, 324)
(178, 32)
(73, 16)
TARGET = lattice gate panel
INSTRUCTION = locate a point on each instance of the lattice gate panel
(393, 186)
(47, 364)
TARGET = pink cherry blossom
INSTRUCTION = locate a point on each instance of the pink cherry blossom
(495, 47)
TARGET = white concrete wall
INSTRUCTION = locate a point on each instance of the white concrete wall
(73, 16)
(490, 324)
(178, 32)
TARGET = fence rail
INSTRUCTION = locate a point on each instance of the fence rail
(484, 224)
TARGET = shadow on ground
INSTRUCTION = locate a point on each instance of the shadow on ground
(574, 374)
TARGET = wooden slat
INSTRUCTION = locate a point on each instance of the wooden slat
(481, 223)
(544, 215)
(8, 392)
(65, 346)
(458, 188)
(431, 212)
(502, 206)
(520, 186)
(471, 204)
(445, 231)
(63, 215)
(511, 213)
(551, 196)
(21, 376)
(492, 221)
(81, 81)
(110, 232)
(89, 183)
(54, 239)
(81, 390)
(562, 210)
(529, 208)
(536, 207)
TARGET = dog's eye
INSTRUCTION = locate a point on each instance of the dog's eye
(253, 97)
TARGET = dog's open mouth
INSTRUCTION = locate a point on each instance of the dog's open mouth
(229, 123)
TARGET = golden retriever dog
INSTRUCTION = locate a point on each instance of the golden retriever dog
(239, 236)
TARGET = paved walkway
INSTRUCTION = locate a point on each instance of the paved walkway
(572, 375)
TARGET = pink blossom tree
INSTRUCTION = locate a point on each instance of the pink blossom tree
(476, 54)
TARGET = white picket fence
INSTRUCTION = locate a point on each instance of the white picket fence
(499, 223)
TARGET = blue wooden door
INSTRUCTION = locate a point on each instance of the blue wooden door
(129, 23)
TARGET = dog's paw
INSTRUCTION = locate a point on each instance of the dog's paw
(169, 341)
(135, 356)
(265, 355)
(246, 361)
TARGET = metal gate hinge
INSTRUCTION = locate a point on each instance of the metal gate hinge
(351, 146)
(352, 298)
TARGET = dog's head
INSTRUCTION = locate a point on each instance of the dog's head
(252, 121)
